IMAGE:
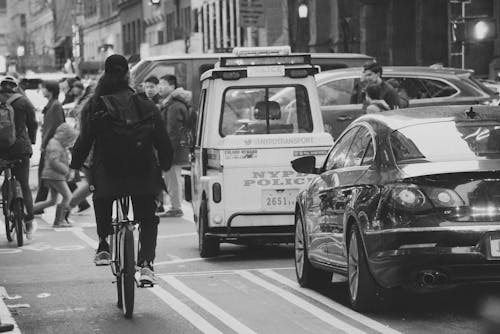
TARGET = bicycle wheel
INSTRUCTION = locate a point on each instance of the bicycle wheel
(115, 267)
(17, 220)
(127, 264)
(8, 229)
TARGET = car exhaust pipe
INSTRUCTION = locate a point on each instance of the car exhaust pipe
(431, 278)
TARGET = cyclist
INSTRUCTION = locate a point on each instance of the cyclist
(112, 175)
(25, 125)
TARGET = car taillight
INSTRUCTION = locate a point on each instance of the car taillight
(443, 198)
(409, 197)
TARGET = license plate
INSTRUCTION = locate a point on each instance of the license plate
(495, 246)
(279, 200)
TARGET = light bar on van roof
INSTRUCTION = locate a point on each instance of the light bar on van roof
(266, 60)
(284, 50)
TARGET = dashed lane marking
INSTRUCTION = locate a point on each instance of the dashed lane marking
(215, 272)
(185, 311)
(330, 303)
(85, 238)
(208, 306)
(301, 303)
(162, 263)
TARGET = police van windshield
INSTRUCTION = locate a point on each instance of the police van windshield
(261, 110)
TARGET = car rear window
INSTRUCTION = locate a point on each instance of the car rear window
(446, 141)
(265, 110)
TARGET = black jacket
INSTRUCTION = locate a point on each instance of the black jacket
(114, 183)
(53, 116)
(25, 123)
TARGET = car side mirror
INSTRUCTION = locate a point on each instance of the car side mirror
(306, 165)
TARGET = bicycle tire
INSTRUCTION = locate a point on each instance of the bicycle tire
(127, 264)
(17, 220)
(8, 228)
(115, 267)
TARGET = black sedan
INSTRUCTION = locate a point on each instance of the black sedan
(405, 199)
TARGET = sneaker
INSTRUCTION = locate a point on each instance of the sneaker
(83, 208)
(160, 210)
(28, 224)
(102, 258)
(147, 274)
(62, 224)
(173, 213)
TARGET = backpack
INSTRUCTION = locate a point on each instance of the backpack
(126, 134)
(7, 122)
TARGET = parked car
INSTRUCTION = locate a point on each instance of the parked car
(188, 68)
(341, 95)
(407, 198)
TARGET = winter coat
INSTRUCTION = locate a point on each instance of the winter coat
(175, 111)
(389, 95)
(53, 116)
(115, 183)
(25, 124)
(56, 165)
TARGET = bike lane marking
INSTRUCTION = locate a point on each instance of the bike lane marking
(185, 311)
(301, 303)
(6, 316)
(330, 303)
(208, 306)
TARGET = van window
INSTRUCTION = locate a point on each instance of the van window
(166, 67)
(256, 110)
(201, 117)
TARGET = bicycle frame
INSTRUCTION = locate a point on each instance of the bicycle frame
(119, 223)
(11, 187)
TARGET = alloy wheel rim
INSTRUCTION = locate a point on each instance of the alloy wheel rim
(353, 267)
(299, 248)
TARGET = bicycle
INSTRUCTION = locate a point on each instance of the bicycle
(123, 257)
(12, 202)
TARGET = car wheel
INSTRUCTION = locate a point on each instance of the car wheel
(208, 247)
(364, 292)
(307, 275)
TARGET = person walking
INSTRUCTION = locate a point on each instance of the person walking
(175, 108)
(25, 125)
(123, 165)
(372, 74)
(53, 116)
(56, 172)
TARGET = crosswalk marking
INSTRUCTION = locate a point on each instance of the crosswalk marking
(208, 306)
(194, 318)
(330, 303)
(301, 303)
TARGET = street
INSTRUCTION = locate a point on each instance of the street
(52, 286)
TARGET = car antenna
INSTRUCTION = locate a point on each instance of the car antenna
(471, 113)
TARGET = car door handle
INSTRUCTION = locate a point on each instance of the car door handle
(344, 118)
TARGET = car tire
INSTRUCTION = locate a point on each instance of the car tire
(207, 246)
(364, 292)
(307, 275)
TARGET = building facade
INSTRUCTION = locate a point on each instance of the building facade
(132, 28)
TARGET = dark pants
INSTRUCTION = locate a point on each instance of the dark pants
(43, 190)
(22, 172)
(144, 211)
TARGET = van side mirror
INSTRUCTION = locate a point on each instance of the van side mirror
(306, 165)
(264, 108)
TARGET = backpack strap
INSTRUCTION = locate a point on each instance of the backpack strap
(13, 98)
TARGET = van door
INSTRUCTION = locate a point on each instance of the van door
(198, 167)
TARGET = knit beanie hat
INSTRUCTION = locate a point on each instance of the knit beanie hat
(116, 64)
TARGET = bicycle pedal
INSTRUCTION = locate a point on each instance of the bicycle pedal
(146, 284)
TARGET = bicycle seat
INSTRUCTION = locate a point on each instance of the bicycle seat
(8, 163)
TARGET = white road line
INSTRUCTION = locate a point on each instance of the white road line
(208, 306)
(215, 272)
(330, 303)
(173, 236)
(184, 310)
(301, 303)
(6, 317)
(85, 238)
(194, 259)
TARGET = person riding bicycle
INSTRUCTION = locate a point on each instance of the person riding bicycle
(114, 173)
(25, 133)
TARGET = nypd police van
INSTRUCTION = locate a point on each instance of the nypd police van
(250, 127)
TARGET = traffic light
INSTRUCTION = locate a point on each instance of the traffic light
(473, 30)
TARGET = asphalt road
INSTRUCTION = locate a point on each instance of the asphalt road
(51, 286)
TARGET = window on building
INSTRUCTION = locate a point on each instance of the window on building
(3, 6)
(170, 27)
(196, 27)
(22, 20)
(160, 37)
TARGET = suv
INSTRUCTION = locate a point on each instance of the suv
(241, 184)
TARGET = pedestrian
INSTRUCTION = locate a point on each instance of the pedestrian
(56, 172)
(404, 99)
(151, 89)
(53, 116)
(374, 103)
(372, 74)
(175, 109)
(66, 85)
(25, 125)
(119, 166)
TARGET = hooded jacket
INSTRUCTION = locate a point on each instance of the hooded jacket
(121, 182)
(175, 111)
(56, 153)
(25, 124)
